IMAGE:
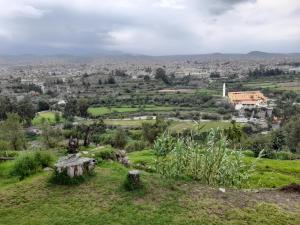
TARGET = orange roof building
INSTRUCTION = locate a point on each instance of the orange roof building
(247, 98)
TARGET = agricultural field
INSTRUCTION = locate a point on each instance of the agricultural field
(127, 122)
(46, 116)
(178, 126)
(98, 111)
(282, 86)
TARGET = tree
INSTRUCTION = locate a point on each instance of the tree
(43, 105)
(152, 131)
(119, 139)
(57, 117)
(292, 129)
(6, 106)
(87, 131)
(160, 74)
(11, 131)
(111, 80)
(50, 135)
(278, 140)
(234, 133)
(70, 109)
(83, 106)
(26, 110)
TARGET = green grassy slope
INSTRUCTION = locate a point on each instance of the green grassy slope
(102, 200)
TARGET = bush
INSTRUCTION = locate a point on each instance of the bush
(63, 178)
(260, 143)
(212, 163)
(9, 153)
(133, 146)
(4, 145)
(282, 155)
(106, 139)
(210, 117)
(103, 153)
(30, 163)
(119, 138)
(249, 153)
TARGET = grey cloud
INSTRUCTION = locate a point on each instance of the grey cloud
(142, 28)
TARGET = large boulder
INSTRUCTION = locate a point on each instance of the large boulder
(74, 165)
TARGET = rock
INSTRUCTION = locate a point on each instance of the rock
(47, 169)
(122, 158)
(222, 190)
(75, 165)
(121, 153)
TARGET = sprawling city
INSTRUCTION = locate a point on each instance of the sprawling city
(150, 112)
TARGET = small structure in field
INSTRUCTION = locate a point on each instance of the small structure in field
(75, 166)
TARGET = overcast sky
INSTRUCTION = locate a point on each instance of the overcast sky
(154, 27)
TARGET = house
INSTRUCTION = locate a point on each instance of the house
(247, 99)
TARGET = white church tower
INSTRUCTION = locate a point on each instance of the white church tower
(224, 90)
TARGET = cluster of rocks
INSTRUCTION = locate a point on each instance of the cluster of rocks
(74, 165)
(122, 158)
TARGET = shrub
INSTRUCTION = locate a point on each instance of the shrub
(4, 145)
(30, 163)
(63, 178)
(210, 117)
(249, 153)
(106, 139)
(282, 155)
(133, 146)
(260, 143)
(152, 131)
(212, 163)
(119, 139)
(9, 153)
(103, 153)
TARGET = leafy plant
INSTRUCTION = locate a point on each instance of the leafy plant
(212, 163)
(30, 163)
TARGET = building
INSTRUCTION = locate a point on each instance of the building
(247, 99)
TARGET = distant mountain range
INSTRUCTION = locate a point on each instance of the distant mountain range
(9, 59)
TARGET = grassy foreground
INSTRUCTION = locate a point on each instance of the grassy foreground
(102, 200)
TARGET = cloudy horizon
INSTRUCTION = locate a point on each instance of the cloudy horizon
(151, 27)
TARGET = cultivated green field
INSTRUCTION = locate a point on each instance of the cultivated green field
(98, 111)
(48, 116)
(287, 86)
(133, 123)
(179, 126)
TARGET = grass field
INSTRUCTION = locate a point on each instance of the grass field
(98, 111)
(275, 173)
(133, 123)
(103, 200)
(48, 116)
(268, 173)
(179, 126)
(287, 86)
